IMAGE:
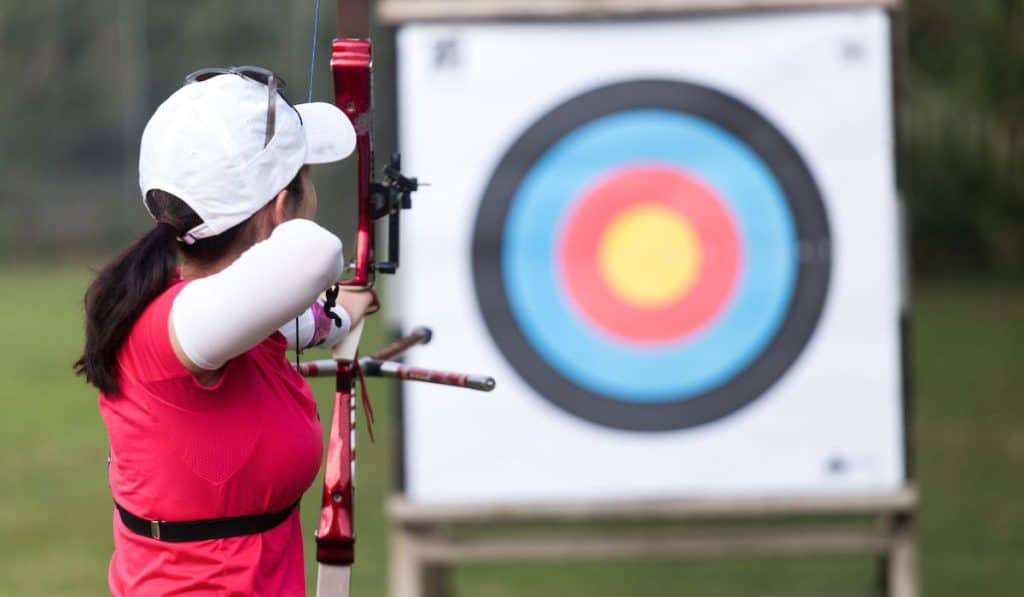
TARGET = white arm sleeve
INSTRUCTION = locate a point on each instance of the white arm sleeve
(315, 328)
(219, 317)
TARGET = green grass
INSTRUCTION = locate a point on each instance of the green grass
(968, 338)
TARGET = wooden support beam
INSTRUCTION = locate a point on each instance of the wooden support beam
(902, 557)
(403, 511)
(400, 11)
(563, 548)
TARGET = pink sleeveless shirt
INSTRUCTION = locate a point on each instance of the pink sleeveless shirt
(250, 444)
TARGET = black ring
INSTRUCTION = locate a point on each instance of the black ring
(810, 221)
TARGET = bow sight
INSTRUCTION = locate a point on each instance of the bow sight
(388, 198)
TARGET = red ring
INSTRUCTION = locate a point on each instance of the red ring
(672, 189)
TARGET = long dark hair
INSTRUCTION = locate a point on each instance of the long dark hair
(126, 286)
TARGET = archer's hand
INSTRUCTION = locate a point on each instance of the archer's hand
(356, 301)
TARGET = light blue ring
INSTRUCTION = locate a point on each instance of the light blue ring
(698, 362)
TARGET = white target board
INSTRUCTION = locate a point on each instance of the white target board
(676, 246)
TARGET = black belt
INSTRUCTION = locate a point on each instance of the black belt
(202, 530)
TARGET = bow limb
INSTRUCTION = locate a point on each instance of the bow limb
(352, 63)
(335, 538)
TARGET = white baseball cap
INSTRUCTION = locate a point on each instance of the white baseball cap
(205, 145)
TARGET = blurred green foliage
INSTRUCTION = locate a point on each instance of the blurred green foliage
(964, 135)
(71, 70)
(81, 78)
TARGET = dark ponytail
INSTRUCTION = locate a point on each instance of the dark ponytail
(117, 297)
(126, 286)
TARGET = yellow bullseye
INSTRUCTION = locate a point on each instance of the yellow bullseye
(649, 256)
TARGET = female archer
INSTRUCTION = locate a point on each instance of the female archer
(213, 436)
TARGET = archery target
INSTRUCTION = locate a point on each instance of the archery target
(675, 244)
(652, 228)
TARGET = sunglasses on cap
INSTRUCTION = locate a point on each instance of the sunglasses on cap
(275, 86)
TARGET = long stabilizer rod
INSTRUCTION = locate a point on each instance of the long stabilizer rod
(376, 368)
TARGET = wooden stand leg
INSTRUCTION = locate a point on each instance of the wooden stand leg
(902, 565)
(407, 569)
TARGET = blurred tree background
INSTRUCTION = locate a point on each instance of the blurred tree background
(964, 136)
(80, 78)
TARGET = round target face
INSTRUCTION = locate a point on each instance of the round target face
(651, 255)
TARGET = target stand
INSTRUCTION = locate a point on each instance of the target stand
(671, 230)
(426, 541)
